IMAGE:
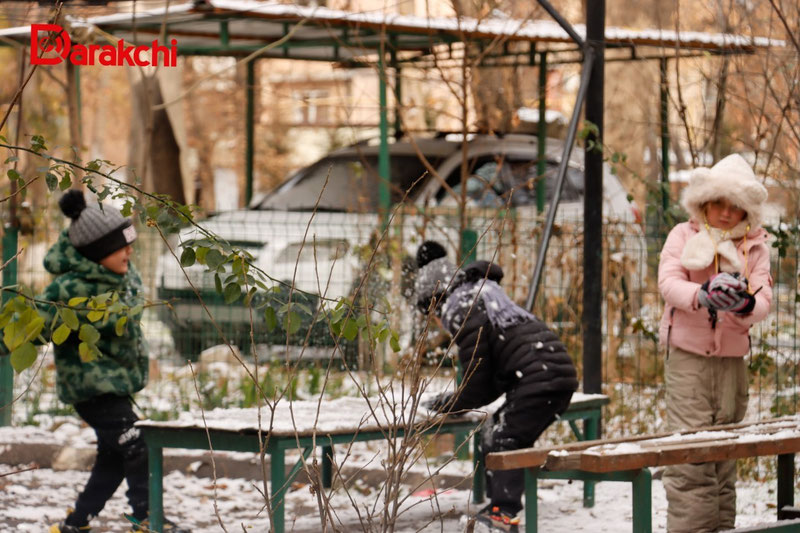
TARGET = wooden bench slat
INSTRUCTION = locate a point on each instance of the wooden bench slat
(558, 457)
(701, 452)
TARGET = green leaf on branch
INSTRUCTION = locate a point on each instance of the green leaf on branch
(26, 328)
(383, 334)
(37, 143)
(94, 316)
(394, 342)
(78, 300)
(89, 333)
(23, 357)
(12, 174)
(350, 329)
(70, 318)
(270, 319)
(187, 257)
(249, 296)
(51, 180)
(66, 182)
(291, 323)
(232, 293)
(119, 327)
(61, 334)
(214, 259)
(201, 253)
(87, 352)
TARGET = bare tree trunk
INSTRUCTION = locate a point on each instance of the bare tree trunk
(155, 154)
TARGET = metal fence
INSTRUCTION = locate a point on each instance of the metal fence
(330, 254)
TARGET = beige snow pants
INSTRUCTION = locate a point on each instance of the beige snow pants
(703, 391)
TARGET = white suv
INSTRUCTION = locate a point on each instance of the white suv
(317, 253)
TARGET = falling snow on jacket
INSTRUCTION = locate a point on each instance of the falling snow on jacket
(502, 348)
(123, 366)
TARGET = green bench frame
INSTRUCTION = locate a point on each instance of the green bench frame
(159, 437)
(574, 463)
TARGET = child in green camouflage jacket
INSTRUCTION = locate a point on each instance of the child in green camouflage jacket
(90, 258)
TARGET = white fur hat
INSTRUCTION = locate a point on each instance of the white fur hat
(731, 178)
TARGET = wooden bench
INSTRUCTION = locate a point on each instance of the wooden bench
(306, 425)
(629, 460)
(782, 526)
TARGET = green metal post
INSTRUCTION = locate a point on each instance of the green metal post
(479, 477)
(249, 131)
(468, 245)
(591, 427)
(398, 96)
(541, 163)
(327, 466)
(278, 488)
(664, 93)
(643, 502)
(785, 484)
(531, 501)
(468, 254)
(383, 152)
(9, 279)
(224, 36)
(155, 457)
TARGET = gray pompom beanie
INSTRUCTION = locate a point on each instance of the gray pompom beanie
(96, 231)
(433, 279)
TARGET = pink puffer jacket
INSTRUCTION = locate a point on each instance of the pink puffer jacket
(691, 328)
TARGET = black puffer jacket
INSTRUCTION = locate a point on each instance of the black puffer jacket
(524, 359)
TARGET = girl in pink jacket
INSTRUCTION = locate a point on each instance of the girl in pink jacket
(714, 278)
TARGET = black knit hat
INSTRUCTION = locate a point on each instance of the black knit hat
(428, 251)
(96, 231)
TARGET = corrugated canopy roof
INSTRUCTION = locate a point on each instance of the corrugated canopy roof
(239, 27)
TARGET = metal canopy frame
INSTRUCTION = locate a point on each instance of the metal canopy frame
(240, 27)
(254, 30)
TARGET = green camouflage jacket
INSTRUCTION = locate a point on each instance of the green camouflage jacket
(122, 368)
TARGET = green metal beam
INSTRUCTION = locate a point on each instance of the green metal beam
(541, 163)
(384, 195)
(9, 279)
(398, 95)
(224, 37)
(249, 150)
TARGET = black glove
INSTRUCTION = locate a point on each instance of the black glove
(442, 402)
(747, 305)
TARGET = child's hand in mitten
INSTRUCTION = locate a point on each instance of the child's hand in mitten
(440, 402)
(723, 292)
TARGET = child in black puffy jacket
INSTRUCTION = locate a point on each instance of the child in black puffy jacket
(503, 349)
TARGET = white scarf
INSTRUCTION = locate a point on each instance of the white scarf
(699, 251)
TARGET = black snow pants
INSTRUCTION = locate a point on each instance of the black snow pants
(517, 424)
(121, 454)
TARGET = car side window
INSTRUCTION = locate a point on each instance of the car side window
(491, 183)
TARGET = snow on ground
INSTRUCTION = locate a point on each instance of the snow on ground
(29, 501)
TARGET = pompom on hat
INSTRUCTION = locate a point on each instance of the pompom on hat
(96, 231)
(731, 178)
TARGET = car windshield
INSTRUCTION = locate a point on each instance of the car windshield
(352, 184)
